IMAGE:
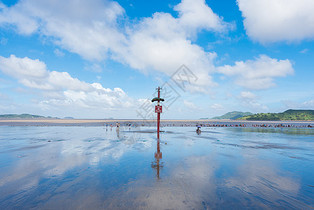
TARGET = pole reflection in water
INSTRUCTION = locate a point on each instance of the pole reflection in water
(118, 129)
(157, 164)
(118, 132)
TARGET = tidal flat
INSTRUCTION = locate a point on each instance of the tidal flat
(97, 167)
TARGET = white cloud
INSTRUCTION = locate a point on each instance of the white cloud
(304, 51)
(280, 20)
(94, 67)
(217, 107)
(249, 99)
(3, 41)
(160, 43)
(3, 97)
(24, 23)
(308, 104)
(196, 15)
(58, 53)
(259, 73)
(60, 88)
(88, 28)
(247, 95)
(34, 74)
(291, 104)
(190, 105)
(163, 43)
(23, 67)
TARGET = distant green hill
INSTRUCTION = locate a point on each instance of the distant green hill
(22, 116)
(287, 115)
(233, 115)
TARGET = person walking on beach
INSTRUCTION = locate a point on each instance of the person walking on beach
(198, 130)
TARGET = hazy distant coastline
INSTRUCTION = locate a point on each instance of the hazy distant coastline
(289, 118)
(288, 115)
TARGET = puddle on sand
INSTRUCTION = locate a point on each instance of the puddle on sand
(127, 169)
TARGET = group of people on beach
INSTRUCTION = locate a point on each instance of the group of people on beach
(262, 125)
(199, 125)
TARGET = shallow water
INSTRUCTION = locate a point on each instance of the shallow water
(95, 168)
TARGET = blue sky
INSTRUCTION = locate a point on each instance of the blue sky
(103, 59)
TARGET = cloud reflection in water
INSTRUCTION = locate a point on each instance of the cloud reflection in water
(83, 167)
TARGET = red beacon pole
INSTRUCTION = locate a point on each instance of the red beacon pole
(158, 110)
(158, 154)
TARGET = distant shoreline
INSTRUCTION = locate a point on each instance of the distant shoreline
(141, 122)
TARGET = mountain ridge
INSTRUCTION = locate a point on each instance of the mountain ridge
(290, 114)
(24, 116)
(232, 115)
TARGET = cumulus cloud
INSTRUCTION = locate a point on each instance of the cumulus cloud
(3, 41)
(24, 23)
(34, 74)
(217, 107)
(196, 15)
(189, 104)
(60, 88)
(247, 95)
(291, 104)
(159, 43)
(259, 73)
(309, 104)
(58, 53)
(280, 20)
(249, 99)
(304, 51)
(163, 42)
(88, 28)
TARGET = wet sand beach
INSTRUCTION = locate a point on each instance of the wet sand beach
(98, 167)
(164, 123)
